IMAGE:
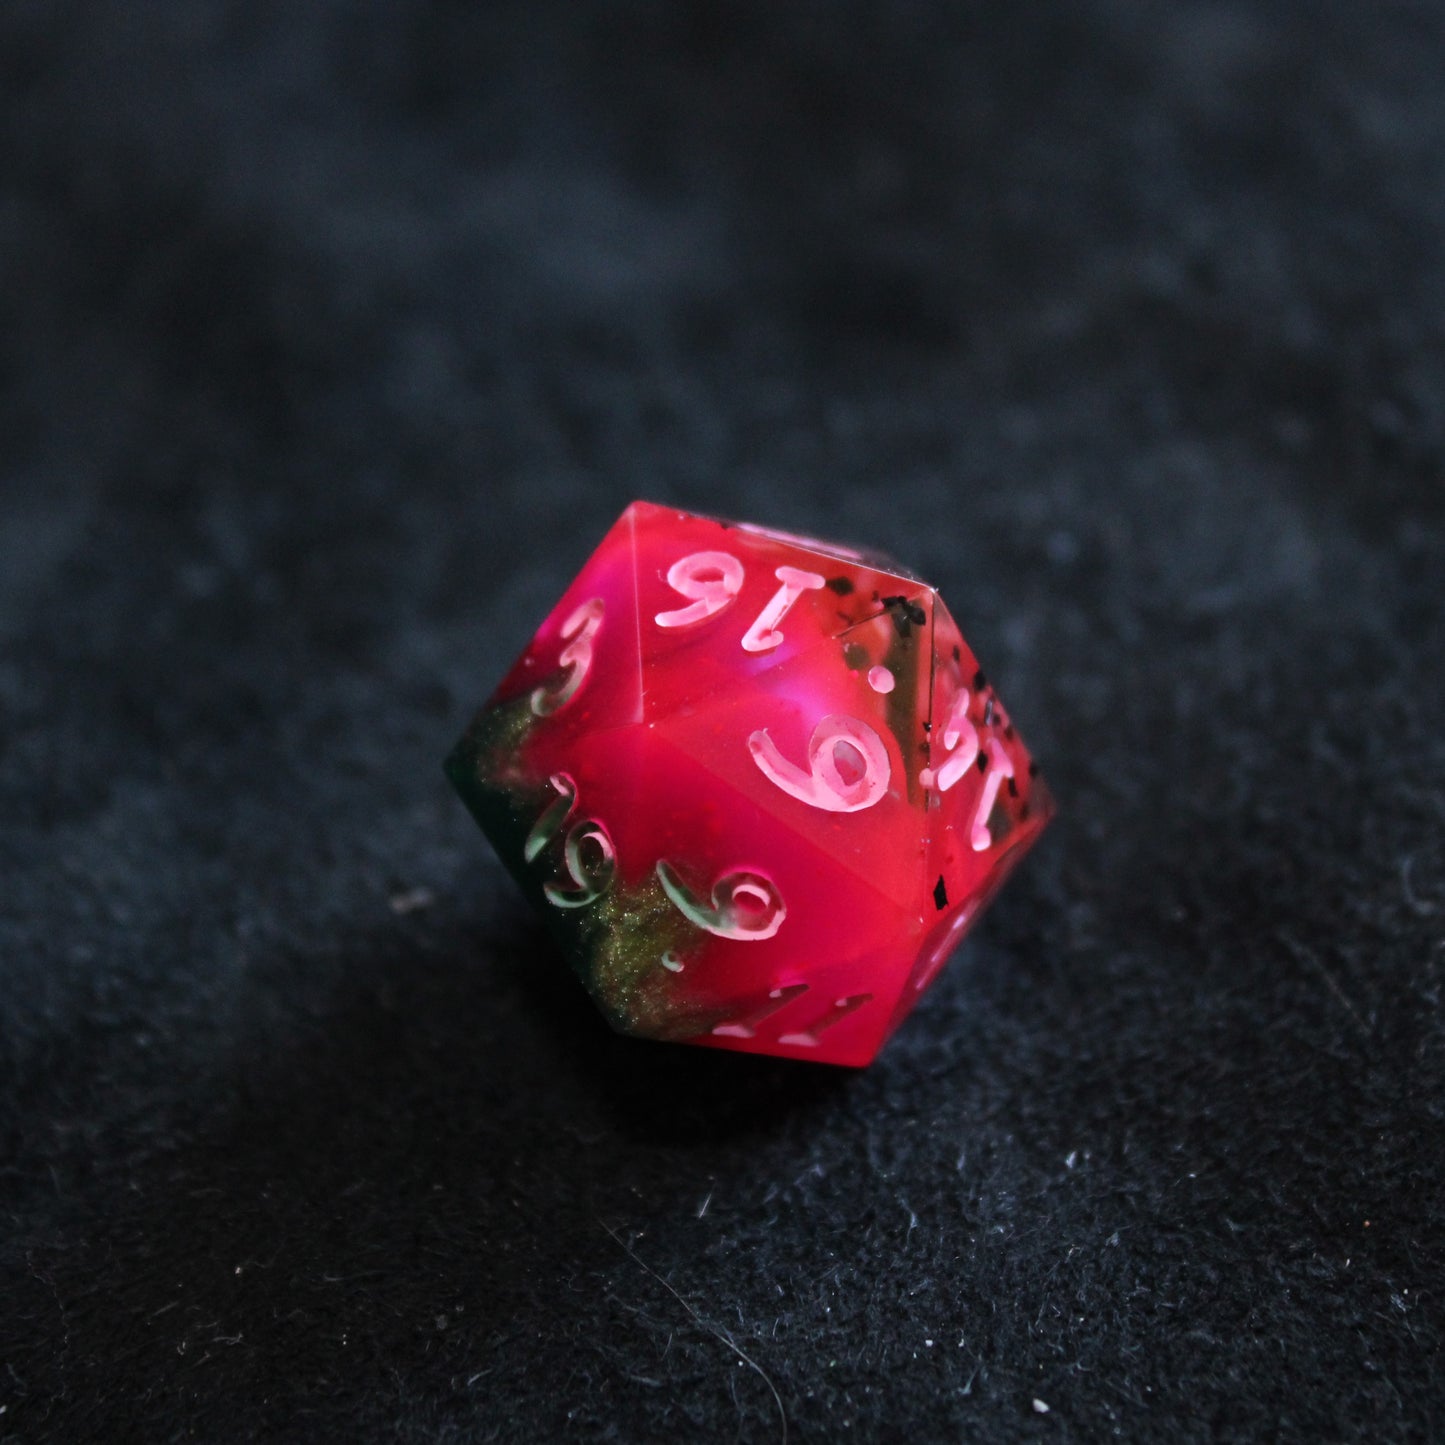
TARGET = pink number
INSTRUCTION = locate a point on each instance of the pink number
(763, 635)
(747, 1026)
(714, 579)
(808, 1038)
(577, 632)
(838, 744)
(744, 906)
(960, 737)
(999, 768)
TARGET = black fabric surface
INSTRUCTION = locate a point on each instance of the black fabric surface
(332, 337)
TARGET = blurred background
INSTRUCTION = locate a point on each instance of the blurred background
(334, 335)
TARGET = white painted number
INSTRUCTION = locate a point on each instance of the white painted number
(712, 579)
(577, 632)
(550, 823)
(808, 1038)
(960, 737)
(848, 767)
(999, 768)
(763, 635)
(744, 906)
(593, 876)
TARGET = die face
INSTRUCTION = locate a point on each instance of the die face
(691, 917)
(986, 802)
(721, 602)
(737, 772)
(827, 746)
(582, 671)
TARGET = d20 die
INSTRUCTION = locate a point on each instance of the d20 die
(756, 784)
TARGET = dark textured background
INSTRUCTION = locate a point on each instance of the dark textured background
(332, 335)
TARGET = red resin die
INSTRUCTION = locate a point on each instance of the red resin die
(756, 784)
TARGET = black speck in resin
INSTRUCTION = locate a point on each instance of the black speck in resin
(906, 614)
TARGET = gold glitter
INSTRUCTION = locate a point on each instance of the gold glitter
(624, 937)
(490, 749)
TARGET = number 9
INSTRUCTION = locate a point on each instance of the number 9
(713, 578)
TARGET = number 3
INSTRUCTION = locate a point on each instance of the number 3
(577, 632)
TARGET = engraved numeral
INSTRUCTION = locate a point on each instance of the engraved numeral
(763, 635)
(808, 1038)
(960, 737)
(578, 632)
(550, 823)
(592, 875)
(746, 1027)
(744, 906)
(779, 999)
(712, 579)
(999, 769)
(838, 744)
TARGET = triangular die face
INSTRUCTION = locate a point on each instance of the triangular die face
(825, 934)
(582, 672)
(842, 1015)
(718, 602)
(985, 806)
(829, 745)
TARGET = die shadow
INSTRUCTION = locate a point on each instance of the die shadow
(434, 1109)
(431, 1070)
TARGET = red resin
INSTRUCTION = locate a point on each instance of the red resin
(644, 769)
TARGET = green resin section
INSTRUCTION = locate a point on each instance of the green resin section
(620, 943)
(485, 768)
(617, 943)
(901, 710)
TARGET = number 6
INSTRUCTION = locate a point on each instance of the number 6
(824, 784)
(745, 906)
